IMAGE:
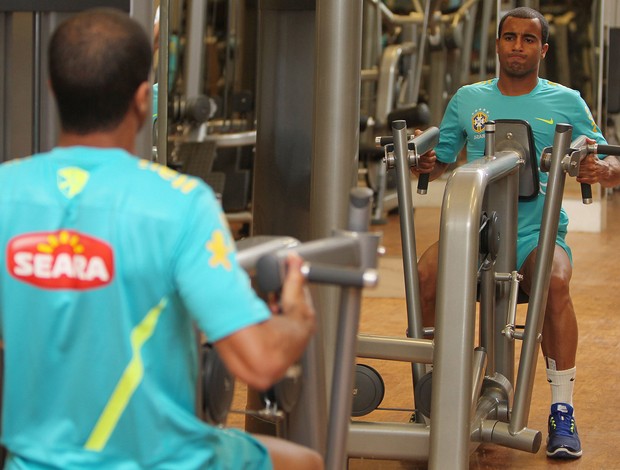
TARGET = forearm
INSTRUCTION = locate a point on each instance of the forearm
(611, 177)
(259, 355)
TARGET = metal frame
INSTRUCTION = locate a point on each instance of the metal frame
(472, 394)
(39, 129)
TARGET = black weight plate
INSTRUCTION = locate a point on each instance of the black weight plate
(368, 390)
(422, 394)
(218, 387)
(287, 390)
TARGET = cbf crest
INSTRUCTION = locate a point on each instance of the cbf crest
(479, 118)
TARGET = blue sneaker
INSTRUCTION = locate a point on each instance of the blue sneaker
(563, 441)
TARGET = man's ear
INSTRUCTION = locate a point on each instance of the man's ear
(544, 50)
(142, 101)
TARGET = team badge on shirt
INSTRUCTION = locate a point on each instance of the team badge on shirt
(71, 181)
(220, 248)
(478, 120)
(64, 259)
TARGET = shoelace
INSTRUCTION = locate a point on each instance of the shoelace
(563, 424)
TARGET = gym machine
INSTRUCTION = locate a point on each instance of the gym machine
(347, 259)
(205, 125)
(450, 42)
(391, 77)
(471, 395)
(28, 121)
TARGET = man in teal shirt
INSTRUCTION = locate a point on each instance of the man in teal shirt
(519, 93)
(108, 263)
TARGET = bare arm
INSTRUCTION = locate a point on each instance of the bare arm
(605, 171)
(428, 163)
(260, 354)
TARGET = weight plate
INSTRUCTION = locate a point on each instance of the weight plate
(217, 388)
(368, 390)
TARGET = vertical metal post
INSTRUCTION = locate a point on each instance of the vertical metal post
(162, 87)
(282, 170)
(36, 83)
(348, 326)
(5, 131)
(142, 12)
(542, 276)
(194, 63)
(336, 112)
(308, 92)
(407, 235)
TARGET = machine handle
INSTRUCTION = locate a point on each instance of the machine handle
(270, 272)
(586, 193)
(608, 149)
(423, 183)
(586, 189)
(426, 141)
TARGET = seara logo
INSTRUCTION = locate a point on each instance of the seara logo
(60, 260)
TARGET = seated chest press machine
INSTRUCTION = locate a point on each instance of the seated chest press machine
(471, 395)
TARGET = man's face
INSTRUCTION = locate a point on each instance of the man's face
(520, 48)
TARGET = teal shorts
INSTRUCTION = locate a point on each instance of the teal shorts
(237, 449)
(526, 244)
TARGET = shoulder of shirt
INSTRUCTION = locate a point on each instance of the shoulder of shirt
(480, 84)
(549, 85)
(483, 86)
(168, 180)
(9, 167)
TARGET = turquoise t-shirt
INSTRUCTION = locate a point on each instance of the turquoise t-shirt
(546, 105)
(108, 262)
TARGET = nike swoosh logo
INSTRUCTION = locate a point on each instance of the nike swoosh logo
(548, 121)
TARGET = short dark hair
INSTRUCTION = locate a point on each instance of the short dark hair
(528, 13)
(97, 61)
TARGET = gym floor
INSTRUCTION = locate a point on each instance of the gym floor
(596, 296)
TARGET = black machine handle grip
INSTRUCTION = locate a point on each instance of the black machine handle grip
(608, 149)
(426, 141)
(423, 179)
(586, 193)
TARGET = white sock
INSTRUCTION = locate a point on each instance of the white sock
(562, 384)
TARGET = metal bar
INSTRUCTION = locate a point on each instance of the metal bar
(343, 379)
(251, 249)
(6, 20)
(36, 83)
(407, 236)
(395, 349)
(542, 276)
(336, 112)
(395, 441)
(456, 308)
(194, 62)
(487, 14)
(162, 87)
(478, 369)
(60, 5)
(236, 139)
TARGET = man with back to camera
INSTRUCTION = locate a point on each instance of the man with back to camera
(108, 262)
(519, 93)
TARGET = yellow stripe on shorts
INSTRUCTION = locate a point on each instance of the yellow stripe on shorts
(127, 385)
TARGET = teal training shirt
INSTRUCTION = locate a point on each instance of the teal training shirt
(546, 105)
(108, 260)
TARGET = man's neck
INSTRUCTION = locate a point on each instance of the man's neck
(112, 139)
(516, 86)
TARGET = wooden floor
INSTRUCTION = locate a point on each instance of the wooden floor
(596, 295)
